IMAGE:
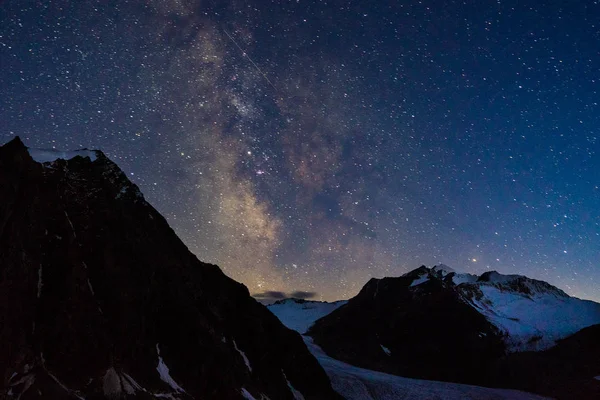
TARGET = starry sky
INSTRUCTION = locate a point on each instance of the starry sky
(307, 146)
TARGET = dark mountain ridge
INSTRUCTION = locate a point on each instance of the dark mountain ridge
(100, 299)
(434, 323)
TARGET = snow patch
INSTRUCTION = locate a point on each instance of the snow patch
(297, 395)
(90, 286)
(554, 317)
(48, 156)
(247, 394)
(421, 279)
(386, 350)
(163, 371)
(243, 356)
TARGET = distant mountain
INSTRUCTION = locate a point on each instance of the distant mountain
(300, 314)
(356, 383)
(435, 323)
(100, 299)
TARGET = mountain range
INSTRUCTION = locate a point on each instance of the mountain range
(99, 299)
(490, 330)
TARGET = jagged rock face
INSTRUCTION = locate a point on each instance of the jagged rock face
(422, 331)
(100, 299)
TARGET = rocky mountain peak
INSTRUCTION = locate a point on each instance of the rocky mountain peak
(100, 299)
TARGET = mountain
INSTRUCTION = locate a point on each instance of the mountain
(435, 323)
(100, 299)
(356, 383)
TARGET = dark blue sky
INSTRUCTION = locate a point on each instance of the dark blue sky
(307, 145)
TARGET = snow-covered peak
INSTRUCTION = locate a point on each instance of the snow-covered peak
(45, 156)
(532, 314)
(443, 269)
(519, 283)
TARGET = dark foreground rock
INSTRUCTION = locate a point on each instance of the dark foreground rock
(569, 370)
(100, 299)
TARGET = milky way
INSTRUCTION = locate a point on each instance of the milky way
(309, 146)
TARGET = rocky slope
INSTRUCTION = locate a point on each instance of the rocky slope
(100, 299)
(569, 370)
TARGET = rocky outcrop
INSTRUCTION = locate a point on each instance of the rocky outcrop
(100, 299)
(569, 370)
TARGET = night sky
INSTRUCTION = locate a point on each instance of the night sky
(311, 145)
